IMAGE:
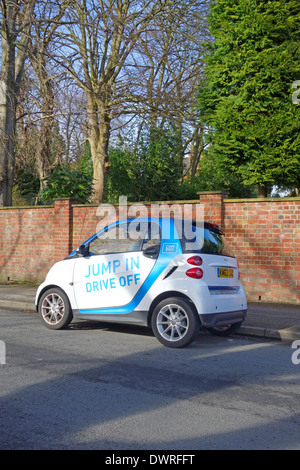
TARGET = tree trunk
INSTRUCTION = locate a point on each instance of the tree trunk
(12, 66)
(196, 149)
(43, 154)
(7, 120)
(262, 190)
(99, 139)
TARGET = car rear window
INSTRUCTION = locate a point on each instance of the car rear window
(203, 238)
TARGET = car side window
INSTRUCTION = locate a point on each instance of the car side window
(120, 238)
(152, 236)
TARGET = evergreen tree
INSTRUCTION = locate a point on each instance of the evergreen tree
(150, 172)
(246, 96)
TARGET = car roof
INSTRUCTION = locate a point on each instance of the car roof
(160, 220)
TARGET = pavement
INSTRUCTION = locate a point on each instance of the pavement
(278, 321)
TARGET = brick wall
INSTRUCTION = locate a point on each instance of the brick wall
(32, 239)
(265, 236)
(263, 233)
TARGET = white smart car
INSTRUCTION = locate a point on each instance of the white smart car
(173, 276)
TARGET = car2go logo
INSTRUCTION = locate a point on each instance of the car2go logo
(296, 354)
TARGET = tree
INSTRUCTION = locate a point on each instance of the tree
(47, 19)
(68, 182)
(165, 73)
(149, 170)
(16, 20)
(99, 41)
(245, 97)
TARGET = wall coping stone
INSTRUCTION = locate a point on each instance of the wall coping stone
(5, 208)
(212, 192)
(139, 203)
(189, 201)
(263, 199)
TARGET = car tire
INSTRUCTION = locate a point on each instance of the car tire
(225, 330)
(175, 323)
(54, 309)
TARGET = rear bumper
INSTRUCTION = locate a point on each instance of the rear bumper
(222, 318)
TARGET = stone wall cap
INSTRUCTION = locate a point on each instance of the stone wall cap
(264, 199)
(213, 192)
(66, 199)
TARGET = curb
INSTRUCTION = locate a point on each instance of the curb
(18, 305)
(286, 334)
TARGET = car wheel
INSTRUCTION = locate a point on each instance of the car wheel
(225, 330)
(174, 323)
(54, 309)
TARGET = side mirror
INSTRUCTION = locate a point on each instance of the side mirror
(82, 250)
(152, 251)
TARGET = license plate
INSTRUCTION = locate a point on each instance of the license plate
(225, 272)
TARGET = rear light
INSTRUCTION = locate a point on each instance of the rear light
(195, 273)
(195, 260)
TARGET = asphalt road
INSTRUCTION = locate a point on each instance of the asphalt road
(97, 386)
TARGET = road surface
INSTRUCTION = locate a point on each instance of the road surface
(100, 386)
